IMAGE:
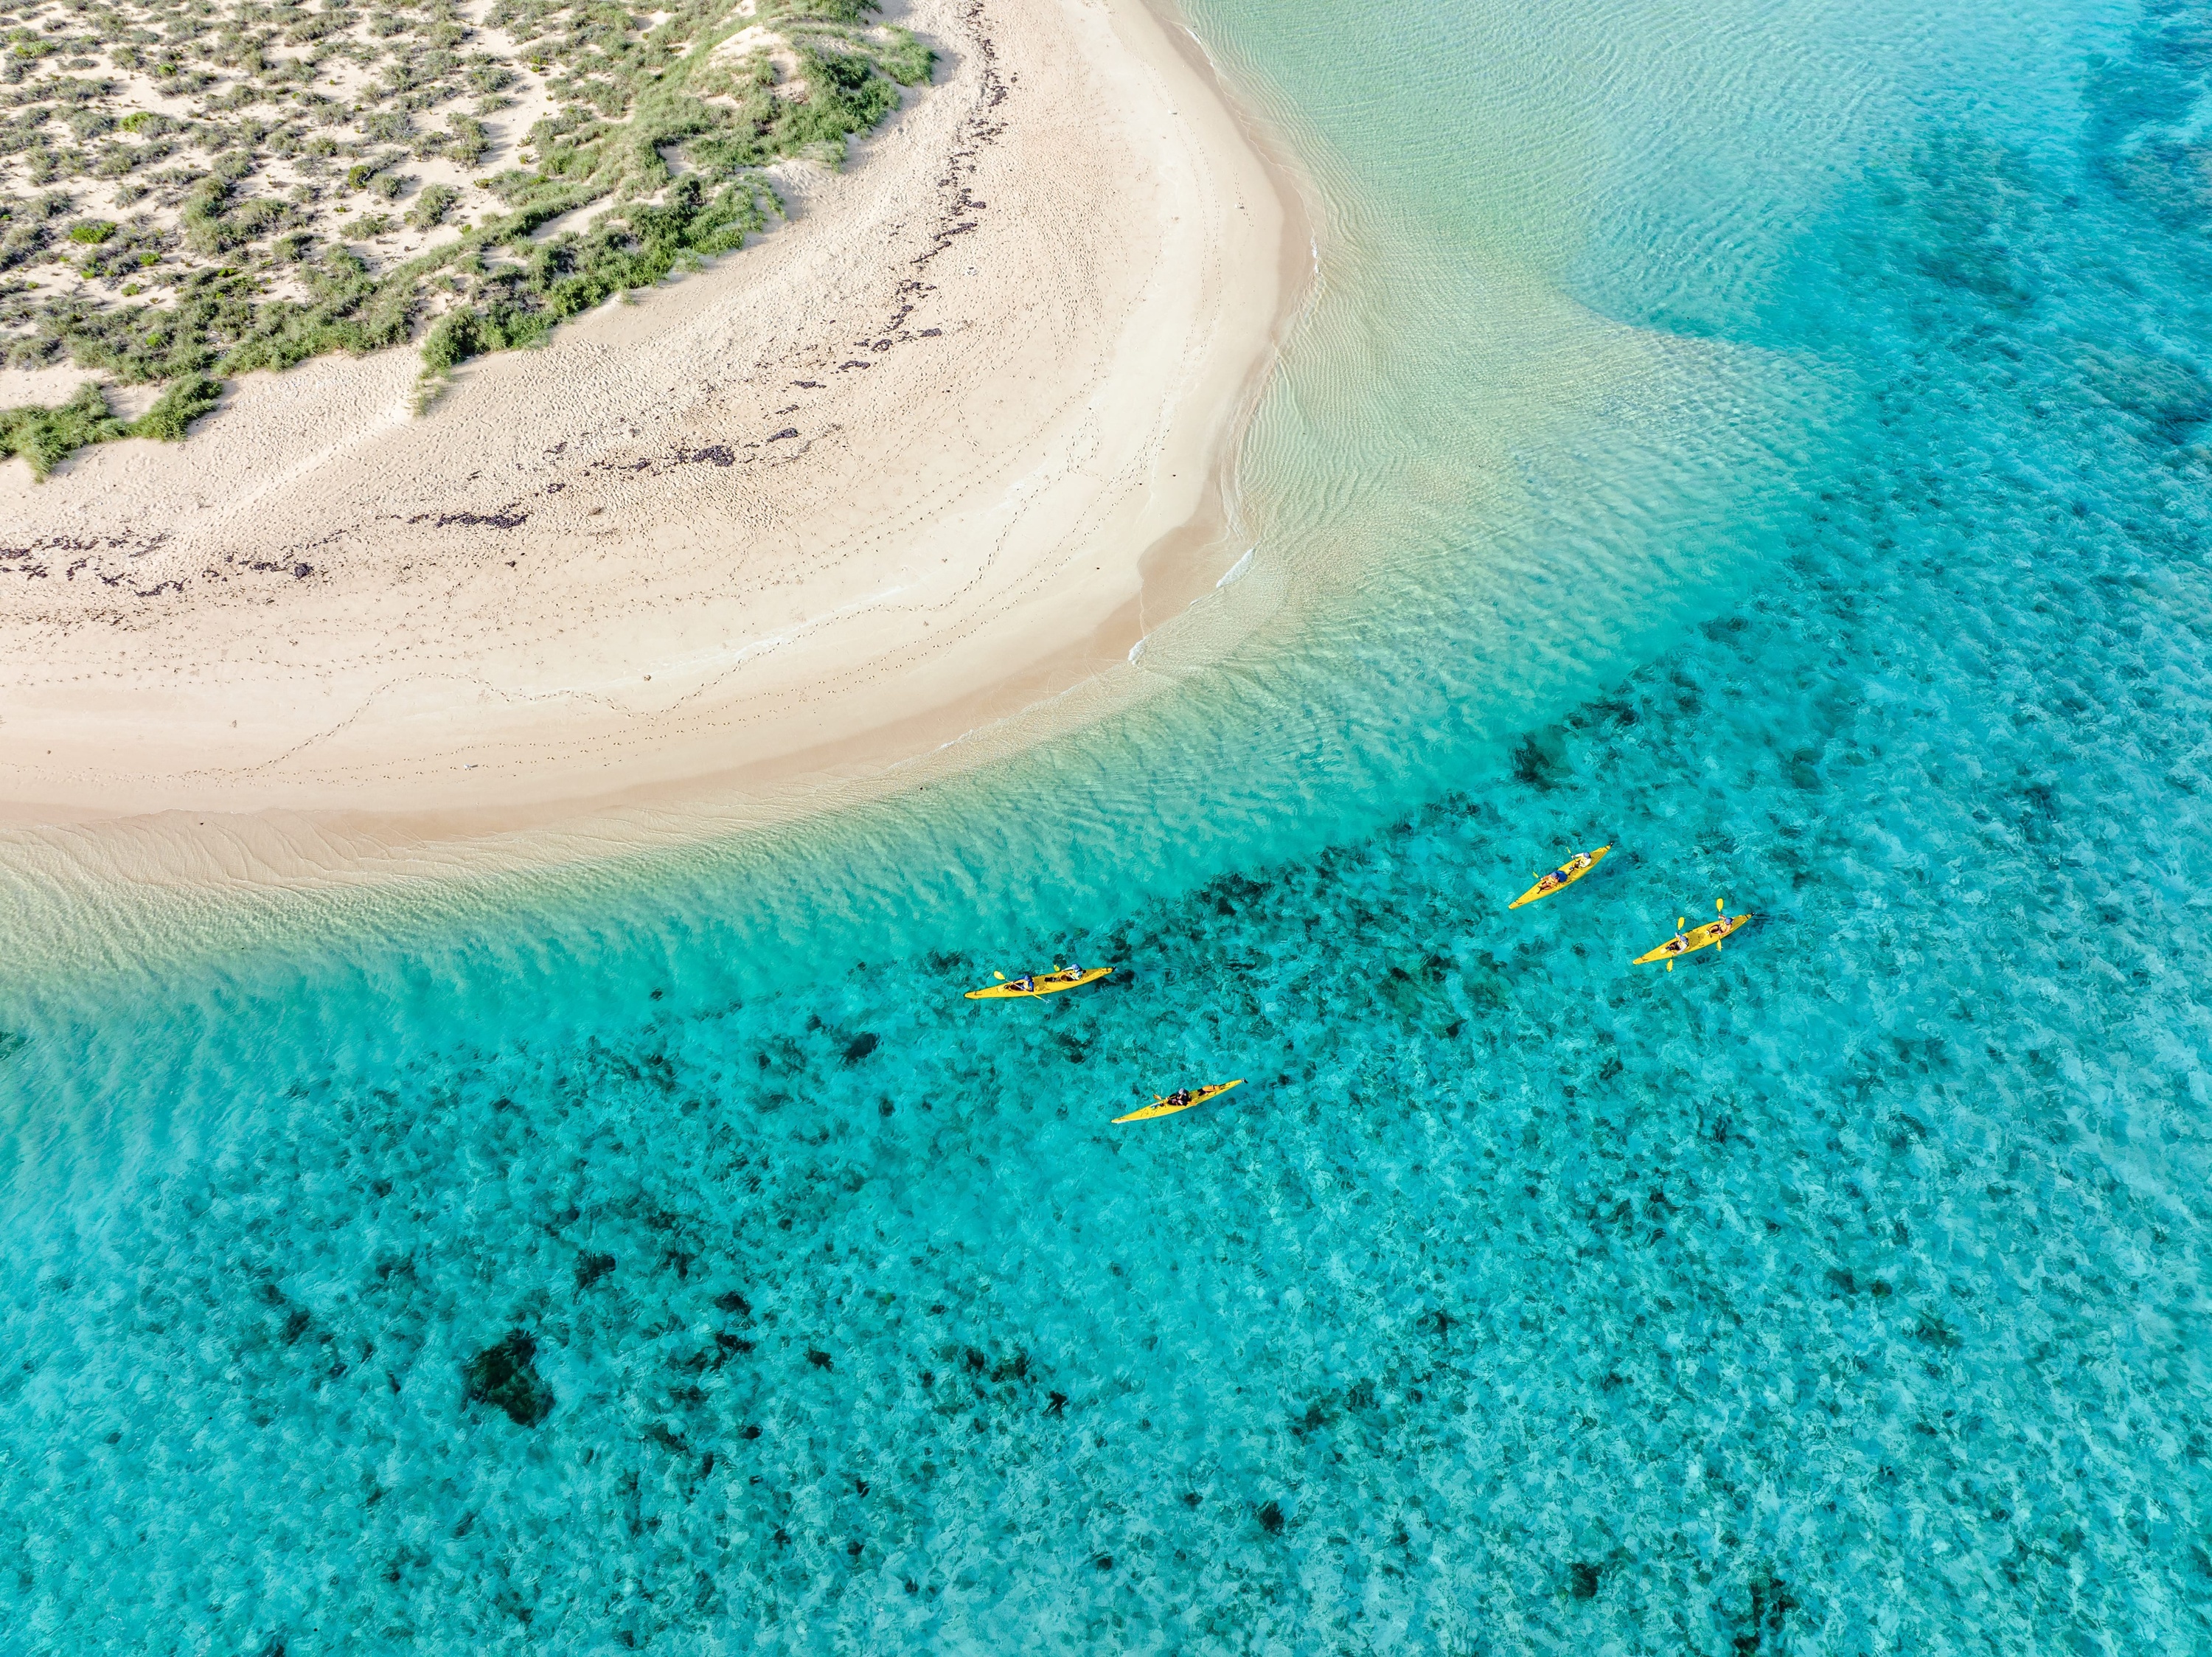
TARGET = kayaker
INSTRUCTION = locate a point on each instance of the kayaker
(1025, 985)
(1560, 875)
(1180, 1096)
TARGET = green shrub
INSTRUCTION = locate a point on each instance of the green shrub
(908, 62)
(387, 126)
(313, 26)
(91, 232)
(184, 402)
(215, 223)
(22, 245)
(45, 437)
(848, 12)
(845, 95)
(122, 252)
(466, 140)
(432, 205)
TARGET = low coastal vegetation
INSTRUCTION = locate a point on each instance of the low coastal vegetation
(45, 437)
(190, 191)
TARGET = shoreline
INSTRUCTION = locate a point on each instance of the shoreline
(710, 758)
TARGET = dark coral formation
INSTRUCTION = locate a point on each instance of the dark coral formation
(505, 1376)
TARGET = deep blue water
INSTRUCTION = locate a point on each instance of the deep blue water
(1842, 1292)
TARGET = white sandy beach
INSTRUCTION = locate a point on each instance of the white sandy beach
(943, 445)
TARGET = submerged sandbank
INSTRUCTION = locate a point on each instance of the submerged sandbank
(888, 475)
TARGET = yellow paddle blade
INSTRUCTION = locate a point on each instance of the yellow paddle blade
(1670, 966)
(1000, 977)
(1680, 920)
(1720, 904)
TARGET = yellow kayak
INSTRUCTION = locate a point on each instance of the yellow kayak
(1695, 938)
(1562, 877)
(1041, 984)
(1161, 1105)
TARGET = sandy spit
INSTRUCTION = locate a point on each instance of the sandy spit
(940, 448)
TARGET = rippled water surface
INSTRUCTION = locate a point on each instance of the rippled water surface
(1772, 441)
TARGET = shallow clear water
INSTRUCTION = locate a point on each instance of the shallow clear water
(1774, 443)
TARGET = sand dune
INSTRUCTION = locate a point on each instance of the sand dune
(889, 473)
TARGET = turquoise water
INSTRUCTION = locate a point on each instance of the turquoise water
(1773, 441)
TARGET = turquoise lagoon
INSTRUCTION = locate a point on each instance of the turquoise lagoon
(1772, 438)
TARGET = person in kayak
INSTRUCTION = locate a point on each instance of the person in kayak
(1561, 875)
(1025, 985)
(1678, 943)
(1180, 1097)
